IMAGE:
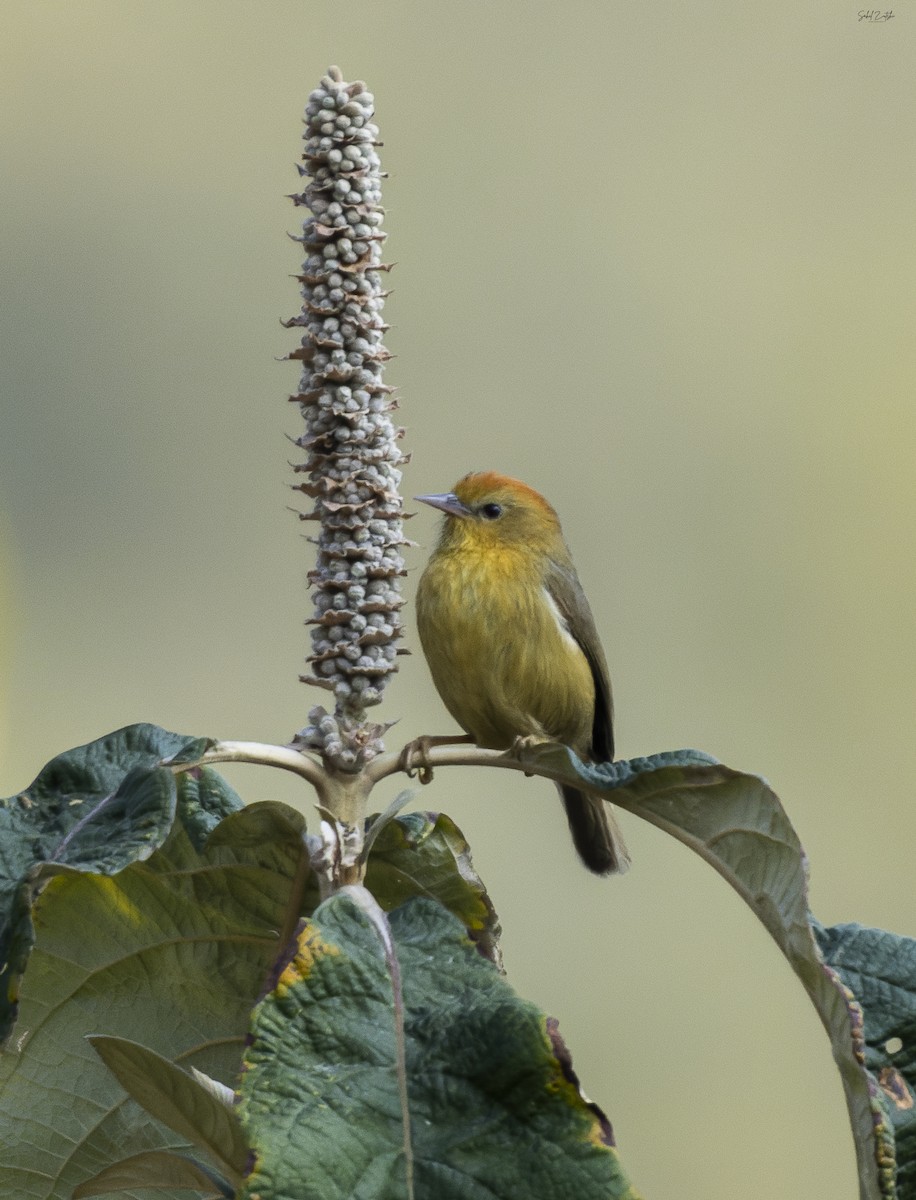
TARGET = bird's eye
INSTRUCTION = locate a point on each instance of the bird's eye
(491, 511)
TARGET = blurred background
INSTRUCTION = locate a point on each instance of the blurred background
(656, 260)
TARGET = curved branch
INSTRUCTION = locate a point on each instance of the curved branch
(513, 760)
(265, 755)
(457, 756)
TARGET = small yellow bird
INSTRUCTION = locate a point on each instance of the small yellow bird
(511, 642)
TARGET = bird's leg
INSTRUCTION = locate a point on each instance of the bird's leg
(414, 758)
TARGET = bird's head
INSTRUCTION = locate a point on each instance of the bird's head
(490, 510)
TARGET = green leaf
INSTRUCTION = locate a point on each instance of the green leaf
(124, 827)
(96, 808)
(204, 800)
(159, 1170)
(376, 823)
(425, 854)
(171, 952)
(270, 823)
(495, 1108)
(737, 824)
(191, 752)
(177, 1099)
(879, 968)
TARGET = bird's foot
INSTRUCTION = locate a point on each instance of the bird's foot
(523, 745)
(414, 759)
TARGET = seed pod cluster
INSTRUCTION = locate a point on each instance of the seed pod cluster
(351, 471)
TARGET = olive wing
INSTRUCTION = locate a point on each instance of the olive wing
(565, 590)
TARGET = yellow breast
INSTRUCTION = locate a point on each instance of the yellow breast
(499, 652)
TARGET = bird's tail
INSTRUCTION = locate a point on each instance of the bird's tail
(595, 833)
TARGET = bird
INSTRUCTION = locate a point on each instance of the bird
(511, 642)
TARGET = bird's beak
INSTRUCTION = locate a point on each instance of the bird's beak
(448, 502)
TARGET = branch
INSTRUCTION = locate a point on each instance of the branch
(458, 756)
(265, 755)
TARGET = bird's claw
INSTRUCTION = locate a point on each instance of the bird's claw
(414, 760)
(523, 744)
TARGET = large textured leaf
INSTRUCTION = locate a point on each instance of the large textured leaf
(97, 808)
(425, 854)
(737, 824)
(170, 952)
(495, 1112)
(880, 970)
